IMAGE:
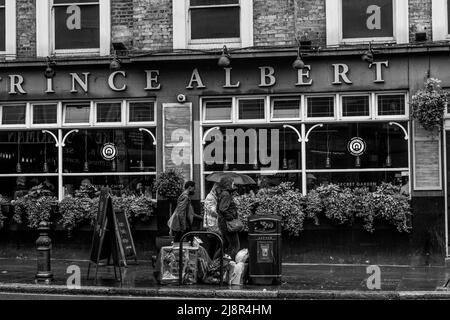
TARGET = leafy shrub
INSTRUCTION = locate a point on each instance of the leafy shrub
(428, 105)
(34, 208)
(169, 184)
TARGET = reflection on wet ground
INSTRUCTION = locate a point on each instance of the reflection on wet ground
(295, 276)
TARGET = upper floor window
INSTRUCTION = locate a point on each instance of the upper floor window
(73, 26)
(440, 17)
(8, 28)
(212, 23)
(355, 21)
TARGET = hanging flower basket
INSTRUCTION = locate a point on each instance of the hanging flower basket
(428, 105)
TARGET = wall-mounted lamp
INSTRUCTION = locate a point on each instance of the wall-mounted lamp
(298, 62)
(115, 63)
(224, 60)
(367, 55)
(50, 69)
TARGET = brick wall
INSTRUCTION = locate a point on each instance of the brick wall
(311, 21)
(420, 18)
(152, 21)
(122, 21)
(26, 28)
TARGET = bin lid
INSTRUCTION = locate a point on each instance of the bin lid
(261, 217)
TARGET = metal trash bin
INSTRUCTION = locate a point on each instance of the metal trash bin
(264, 242)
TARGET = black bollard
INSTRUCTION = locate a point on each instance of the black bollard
(44, 247)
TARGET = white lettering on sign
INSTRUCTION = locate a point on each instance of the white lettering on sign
(228, 83)
(181, 151)
(302, 75)
(82, 83)
(374, 20)
(49, 86)
(267, 76)
(152, 80)
(15, 84)
(74, 280)
(111, 81)
(378, 70)
(374, 280)
(73, 22)
(195, 77)
(340, 72)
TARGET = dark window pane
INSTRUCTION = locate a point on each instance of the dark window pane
(73, 1)
(13, 114)
(355, 106)
(367, 18)
(212, 2)
(448, 15)
(133, 146)
(285, 109)
(251, 109)
(218, 110)
(142, 111)
(391, 105)
(2, 30)
(44, 113)
(320, 107)
(381, 140)
(70, 35)
(2, 3)
(109, 112)
(215, 23)
(77, 113)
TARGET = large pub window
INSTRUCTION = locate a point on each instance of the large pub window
(331, 129)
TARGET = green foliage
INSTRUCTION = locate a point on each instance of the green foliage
(338, 205)
(34, 207)
(428, 105)
(169, 184)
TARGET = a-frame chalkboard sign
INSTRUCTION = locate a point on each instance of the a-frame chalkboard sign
(112, 238)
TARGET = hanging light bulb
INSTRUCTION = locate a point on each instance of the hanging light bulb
(141, 165)
(388, 161)
(113, 165)
(226, 167)
(285, 166)
(358, 162)
(18, 167)
(255, 165)
(45, 168)
(328, 162)
(86, 166)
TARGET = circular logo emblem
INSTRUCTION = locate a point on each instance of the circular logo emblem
(109, 151)
(356, 146)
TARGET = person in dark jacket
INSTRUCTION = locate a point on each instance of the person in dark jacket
(227, 211)
(183, 216)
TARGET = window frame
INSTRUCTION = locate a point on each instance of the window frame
(251, 121)
(45, 125)
(334, 33)
(315, 119)
(109, 123)
(341, 106)
(287, 98)
(137, 123)
(45, 33)
(397, 116)
(78, 124)
(182, 28)
(232, 111)
(10, 30)
(25, 125)
(439, 20)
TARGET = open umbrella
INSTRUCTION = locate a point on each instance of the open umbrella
(238, 178)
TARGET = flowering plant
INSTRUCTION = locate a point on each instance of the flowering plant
(169, 184)
(428, 105)
(35, 207)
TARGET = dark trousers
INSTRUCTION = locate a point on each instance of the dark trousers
(231, 242)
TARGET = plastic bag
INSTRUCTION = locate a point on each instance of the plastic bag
(237, 273)
(242, 256)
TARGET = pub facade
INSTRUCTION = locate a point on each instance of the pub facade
(111, 108)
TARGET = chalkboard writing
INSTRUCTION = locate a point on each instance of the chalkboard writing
(125, 240)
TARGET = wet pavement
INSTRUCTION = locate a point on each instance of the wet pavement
(296, 277)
